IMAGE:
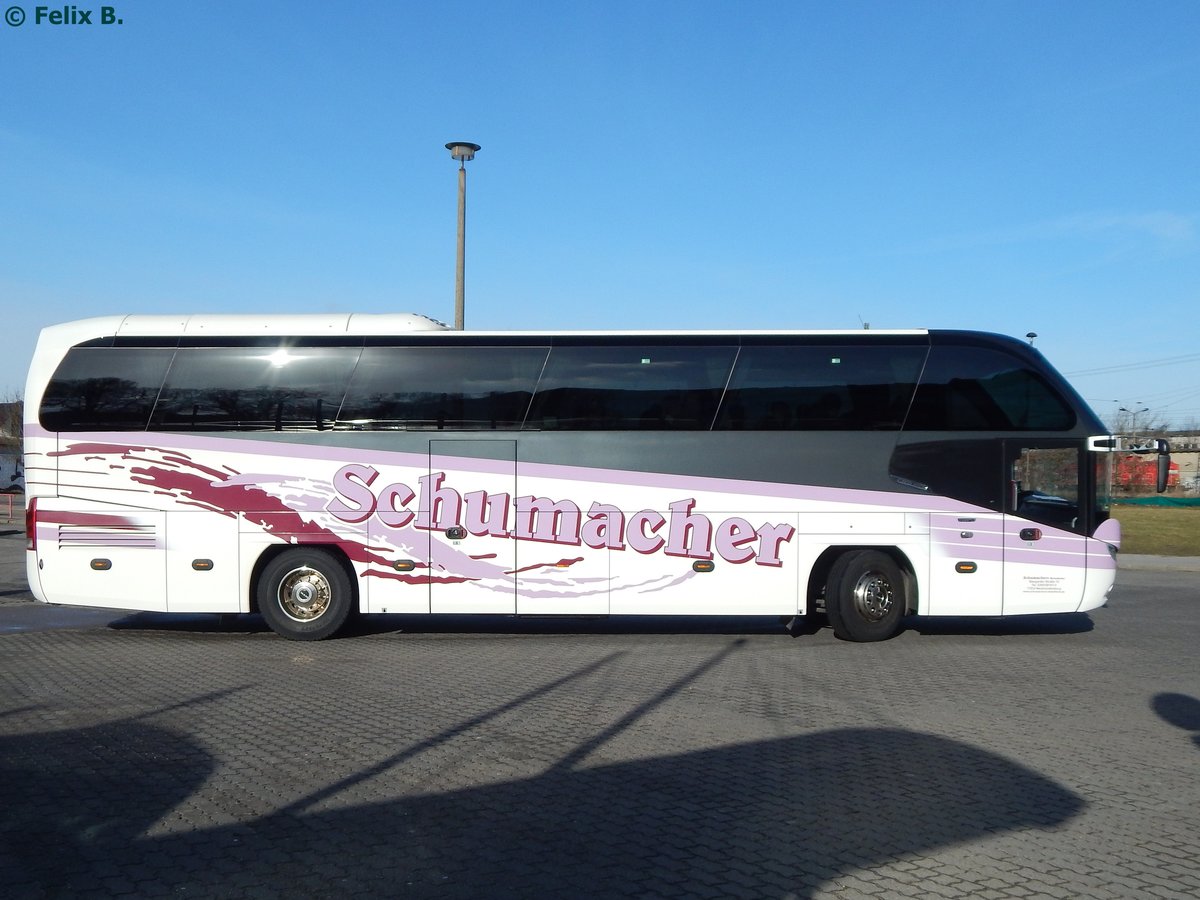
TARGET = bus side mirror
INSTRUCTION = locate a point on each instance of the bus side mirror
(1164, 465)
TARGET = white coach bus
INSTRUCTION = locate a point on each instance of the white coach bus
(311, 467)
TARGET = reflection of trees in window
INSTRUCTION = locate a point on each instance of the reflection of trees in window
(254, 388)
(96, 402)
(462, 388)
(104, 389)
(437, 410)
(109, 403)
(776, 385)
(255, 408)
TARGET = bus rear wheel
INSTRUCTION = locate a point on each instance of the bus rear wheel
(864, 596)
(304, 594)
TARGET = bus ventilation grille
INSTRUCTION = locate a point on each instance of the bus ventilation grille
(119, 536)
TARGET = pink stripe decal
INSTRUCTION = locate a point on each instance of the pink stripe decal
(375, 522)
(561, 564)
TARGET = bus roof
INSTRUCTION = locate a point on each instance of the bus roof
(305, 325)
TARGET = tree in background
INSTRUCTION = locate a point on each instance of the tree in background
(1138, 424)
(11, 442)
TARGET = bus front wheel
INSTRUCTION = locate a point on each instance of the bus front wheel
(304, 594)
(864, 596)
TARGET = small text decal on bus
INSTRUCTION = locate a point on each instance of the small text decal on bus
(682, 532)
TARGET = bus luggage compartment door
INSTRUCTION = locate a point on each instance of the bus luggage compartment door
(559, 570)
(966, 564)
(95, 554)
(203, 571)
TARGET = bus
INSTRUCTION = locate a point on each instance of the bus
(313, 467)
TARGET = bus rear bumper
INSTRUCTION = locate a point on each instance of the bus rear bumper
(32, 575)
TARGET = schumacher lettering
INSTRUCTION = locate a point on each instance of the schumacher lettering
(681, 531)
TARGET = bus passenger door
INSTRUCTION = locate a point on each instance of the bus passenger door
(466, 510)
(1044, 553)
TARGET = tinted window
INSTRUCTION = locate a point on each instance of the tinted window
(821, 387)
(1046, 482)
(253, 388)
(976, 389)
(631, 387)
(461, 388)
(965, 470)
(103, 389)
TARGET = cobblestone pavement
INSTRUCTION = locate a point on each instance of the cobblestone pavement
(204, 757)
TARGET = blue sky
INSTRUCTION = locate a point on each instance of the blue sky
(1006, 166)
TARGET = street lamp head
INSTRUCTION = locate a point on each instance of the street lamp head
(463, 151)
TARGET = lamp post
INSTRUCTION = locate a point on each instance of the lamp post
(463, 151)
(1133, 419)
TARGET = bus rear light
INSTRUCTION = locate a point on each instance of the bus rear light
(31, 524)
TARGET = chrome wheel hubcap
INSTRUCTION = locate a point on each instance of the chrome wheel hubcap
(873, 596)
(304, 594)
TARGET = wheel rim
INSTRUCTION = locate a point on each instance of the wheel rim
(873, 596)
(304, 594)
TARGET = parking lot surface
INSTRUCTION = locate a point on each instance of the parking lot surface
(148, 756)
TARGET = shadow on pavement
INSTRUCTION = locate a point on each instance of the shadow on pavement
(767, 818)
(466, 624)
(1065, 623)
(1052, 623)
(1180, 710)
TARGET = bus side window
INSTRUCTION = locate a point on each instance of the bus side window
(255, 388)
(1045, 485)
(631, 387)
(977, 389)
(821, 387)
(968, 470)
(104, 389)
(463, 387)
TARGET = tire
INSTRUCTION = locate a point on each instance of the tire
(865, 597)
(305, 594)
